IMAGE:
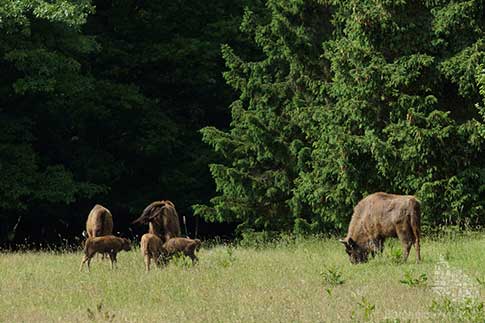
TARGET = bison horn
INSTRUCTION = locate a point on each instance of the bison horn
(143, 215)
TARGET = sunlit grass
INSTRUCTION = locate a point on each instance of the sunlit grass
(301, 280)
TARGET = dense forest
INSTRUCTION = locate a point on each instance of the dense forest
(260, 115)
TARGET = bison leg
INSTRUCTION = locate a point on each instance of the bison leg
(162, 260)
(112, 257)
(89, 263)
(375, 246)
(406, 245)
(85, 258)
(147, 263)
(88, 256)
(380, 245)
(406, 236)
(166, 259)
(194, 258)
(417, 247)
(156, 258)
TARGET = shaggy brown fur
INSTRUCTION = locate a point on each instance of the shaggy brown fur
(169, 203)
(379, 216)
(100, 222)
(184, 245)
(151, 248)
(162, 218)
(105, 244)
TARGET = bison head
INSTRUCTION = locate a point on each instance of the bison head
(126, 245)
(357, 254)
(198, 243)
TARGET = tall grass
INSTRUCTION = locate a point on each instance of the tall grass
(294, 280)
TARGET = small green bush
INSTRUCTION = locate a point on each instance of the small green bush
(332, 276)
(470, 310)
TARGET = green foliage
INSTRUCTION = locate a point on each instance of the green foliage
(393, 251)
(470, 310)
(39, 76)
(266, 239)
(480, 281)
(412, 281)
(252, 239)
(335, 100)
(332, 276)
(102, 101)
(350, 98)
(364, 311)
(182, 261)
(228, 258)
(261, 150)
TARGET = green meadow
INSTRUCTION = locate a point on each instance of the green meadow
(288, 280)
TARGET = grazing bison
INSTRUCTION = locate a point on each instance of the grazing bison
(184, 245)
(379, 216)
(100, 222)
(105, 244)
(151, 248)
(162, 218)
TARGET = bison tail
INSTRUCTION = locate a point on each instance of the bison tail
(84, 246)
(416, 227)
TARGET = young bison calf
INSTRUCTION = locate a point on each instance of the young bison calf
(105, 244)
(184, 245)
(151, 248)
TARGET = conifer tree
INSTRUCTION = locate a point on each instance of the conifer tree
(401, 120)
(261, 151)
(382, 99)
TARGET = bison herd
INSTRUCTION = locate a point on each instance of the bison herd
(160, 243)
(375, 218)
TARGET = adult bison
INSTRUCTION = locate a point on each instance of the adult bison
(379, 216)
(99, 222)
(162, 218)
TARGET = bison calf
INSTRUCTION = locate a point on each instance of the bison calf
(151, 248)
(180, 245)
(379, 216)
(105, 244)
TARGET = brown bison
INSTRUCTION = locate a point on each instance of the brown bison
(106, 244)
(379, 216)
(151, 248)
(185, 246)
(162, 218)
(99, 223)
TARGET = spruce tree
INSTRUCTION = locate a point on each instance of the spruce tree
(261, 150)
(400, 120)
(382, 99)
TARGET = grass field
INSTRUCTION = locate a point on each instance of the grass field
(294, 280)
